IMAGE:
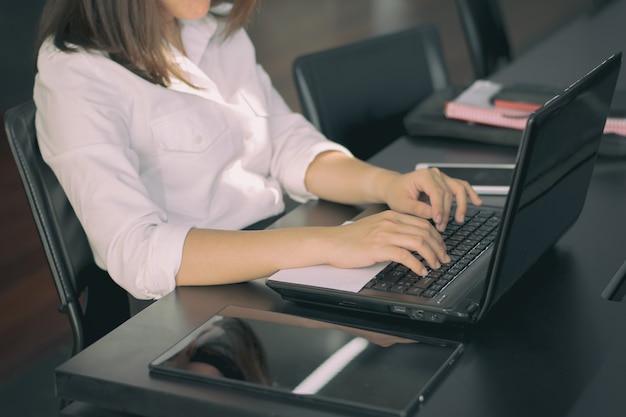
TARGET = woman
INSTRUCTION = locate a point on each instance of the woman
(168, 138)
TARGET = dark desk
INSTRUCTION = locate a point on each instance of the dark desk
(548, 345)
(553, 346)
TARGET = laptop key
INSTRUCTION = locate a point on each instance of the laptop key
(429, 293)
(414, 291)
(394, 275)
(399, 288)
(424, 282)
(381, 286)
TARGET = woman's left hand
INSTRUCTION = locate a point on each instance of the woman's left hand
(429, 193)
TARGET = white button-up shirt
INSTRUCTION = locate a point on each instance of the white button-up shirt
(142, 164)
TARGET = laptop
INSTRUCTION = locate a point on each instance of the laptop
(548, 188)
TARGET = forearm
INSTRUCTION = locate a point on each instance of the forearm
(220, 257)
(213, 257)
(337, 177)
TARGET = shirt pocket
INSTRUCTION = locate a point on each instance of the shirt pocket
(192, 130)
(193, 147)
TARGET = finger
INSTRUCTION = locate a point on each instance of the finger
(418, 226)
(447, 206)
(436, 189)
(473, 195)
(407, 259)
(441, 201)
(425, 241)
(413, 263)
(416, 208)
(428, 256)
(402, 235)
(462, 200)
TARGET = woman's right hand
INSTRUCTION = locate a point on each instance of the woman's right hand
(388, 236)
(382, 237)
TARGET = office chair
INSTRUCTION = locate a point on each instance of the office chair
(92, 301)
(485, 35)
(357, 94)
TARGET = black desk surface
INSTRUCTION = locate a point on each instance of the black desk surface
(553, 346)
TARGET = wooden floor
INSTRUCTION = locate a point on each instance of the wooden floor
(31, 327)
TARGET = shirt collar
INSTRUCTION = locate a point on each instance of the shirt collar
(196, 35)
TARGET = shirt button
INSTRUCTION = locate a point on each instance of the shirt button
(198, 139)
(248, 136)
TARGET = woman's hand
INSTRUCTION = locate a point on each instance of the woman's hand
(393, 235)
(382, 237)
(429, 193)
(387, 236)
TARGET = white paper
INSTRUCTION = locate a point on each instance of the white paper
(326, 276)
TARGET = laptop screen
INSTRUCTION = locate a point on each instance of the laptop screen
(554, 168)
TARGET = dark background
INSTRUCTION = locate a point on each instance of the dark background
(18, 23)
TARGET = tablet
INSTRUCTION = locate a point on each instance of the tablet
(302, 362)
(486, 179)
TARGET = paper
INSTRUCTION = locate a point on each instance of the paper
(326, 276)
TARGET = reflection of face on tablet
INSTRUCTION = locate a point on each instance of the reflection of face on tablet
(294, 357)
(202, 368)
(227, 347)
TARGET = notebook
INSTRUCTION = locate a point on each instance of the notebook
(549, 185)
(480, 103)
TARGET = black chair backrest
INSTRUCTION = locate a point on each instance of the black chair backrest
(357, 94)
(485, 34)
(104, 304)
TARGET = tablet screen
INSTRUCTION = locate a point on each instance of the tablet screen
(310, 362)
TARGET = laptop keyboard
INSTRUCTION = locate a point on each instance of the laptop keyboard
(464, 242)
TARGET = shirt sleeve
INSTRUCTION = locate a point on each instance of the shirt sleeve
(82, 130)
(296, 141)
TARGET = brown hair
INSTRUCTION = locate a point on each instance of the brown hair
(132, 32)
